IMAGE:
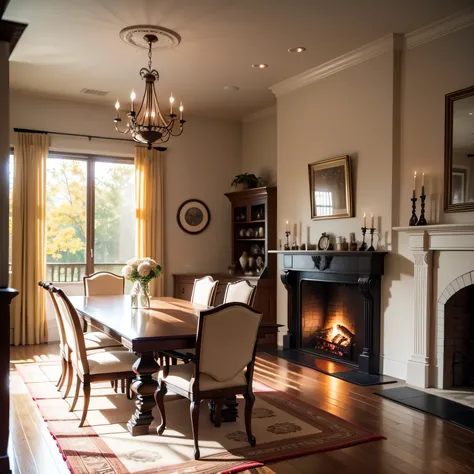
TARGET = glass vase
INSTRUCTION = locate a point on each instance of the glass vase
(140, 295)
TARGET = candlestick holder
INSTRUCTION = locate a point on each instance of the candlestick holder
(413, 218)
(363, 246)
(287, 245)
(371, 248)
(422, 219)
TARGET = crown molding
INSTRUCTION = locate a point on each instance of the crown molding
(260, 114)
(352, 58)
(440, 28)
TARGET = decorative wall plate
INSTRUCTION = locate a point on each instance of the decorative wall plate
(193, 216)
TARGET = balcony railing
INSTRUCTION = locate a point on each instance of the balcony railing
(74, 272)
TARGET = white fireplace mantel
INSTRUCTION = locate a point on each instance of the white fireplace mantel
(424, 240)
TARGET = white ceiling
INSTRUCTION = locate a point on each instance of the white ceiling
(74, 44)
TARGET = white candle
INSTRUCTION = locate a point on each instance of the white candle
(301, 233)
(423, 179)
(294, 232)
(414, 185)
(372, 220)
(364, 221)
(287, 227)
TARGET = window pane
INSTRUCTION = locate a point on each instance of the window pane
(114, 238)
(10, 207)
(66, 219)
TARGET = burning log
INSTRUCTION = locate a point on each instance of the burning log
(336, 340)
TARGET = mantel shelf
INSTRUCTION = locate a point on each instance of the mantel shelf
(326, 252)
(437, 229)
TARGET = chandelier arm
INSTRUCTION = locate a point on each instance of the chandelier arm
(141, 105)
(120, 131)
(177, 134)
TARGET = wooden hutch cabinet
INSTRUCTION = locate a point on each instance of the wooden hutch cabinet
(253, 230)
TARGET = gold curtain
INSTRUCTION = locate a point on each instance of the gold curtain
(149, 202)
(29, 238)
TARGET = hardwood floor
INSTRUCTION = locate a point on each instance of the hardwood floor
(416, 443)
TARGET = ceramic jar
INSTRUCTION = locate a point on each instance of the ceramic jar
(261, 232)
(243, 260)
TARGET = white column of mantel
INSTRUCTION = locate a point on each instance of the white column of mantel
(419, 363)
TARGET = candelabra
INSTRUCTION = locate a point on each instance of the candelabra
(287, 245)
(371, 248)
(413, 218)
(363, 246)
(422, 220)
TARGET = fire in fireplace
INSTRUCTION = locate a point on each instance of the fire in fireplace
(336, 340)
(330, 315)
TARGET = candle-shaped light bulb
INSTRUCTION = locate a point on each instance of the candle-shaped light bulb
(153, 114)
(171, 103)
(117, 105)
(372, 221)
(181, 109)
(132, 98)
(364, 221)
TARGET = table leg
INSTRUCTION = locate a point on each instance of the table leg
(228, 412)
(144, 386)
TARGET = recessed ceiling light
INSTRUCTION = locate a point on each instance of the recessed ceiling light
(231, 88)
(260, 66)
(298, 49)
(470, 113)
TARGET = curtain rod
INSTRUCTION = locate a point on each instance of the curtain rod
(90, 137)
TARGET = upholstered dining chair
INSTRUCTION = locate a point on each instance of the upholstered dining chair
(204, 291)
(240, 292)
(103, 283)
(94, 341)
(222, 367)
(89, 367)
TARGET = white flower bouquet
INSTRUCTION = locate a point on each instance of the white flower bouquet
(141, 271)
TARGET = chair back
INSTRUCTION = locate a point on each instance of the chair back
(103, 283)
(226, 340)
(72, 330)
(204, 291)
(62, 336)
(240, 292)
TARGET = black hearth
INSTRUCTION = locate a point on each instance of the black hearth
(334, 305)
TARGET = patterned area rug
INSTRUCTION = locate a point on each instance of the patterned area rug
(284, 427)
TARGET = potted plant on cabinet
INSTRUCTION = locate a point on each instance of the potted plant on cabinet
(247, 181)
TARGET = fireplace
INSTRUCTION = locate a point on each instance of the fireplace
(334, 305)
(459, 339)
(331, 318)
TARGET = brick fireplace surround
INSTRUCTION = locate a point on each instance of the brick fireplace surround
(451, 248)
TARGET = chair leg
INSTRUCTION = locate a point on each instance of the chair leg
(249, 401)
(87, 397)
(69, 379)
(115, 385)
(76, 394)
(194, 410)
(218, 412)
(122, 385)
(159, 399)
(63, 374)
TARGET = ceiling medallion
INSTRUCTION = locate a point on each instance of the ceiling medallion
(150, 125)
(135, 36)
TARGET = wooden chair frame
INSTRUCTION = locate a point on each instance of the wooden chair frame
(88, 277)
(212, 296)
(252, 294)
(196, 396)
(86, 378)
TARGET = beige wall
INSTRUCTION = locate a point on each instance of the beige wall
(359, 112)
(259, 145)
(200, 164)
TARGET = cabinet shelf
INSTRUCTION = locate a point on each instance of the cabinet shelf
(261, 221)
(249, 240)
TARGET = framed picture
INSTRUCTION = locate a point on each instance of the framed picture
(193, 216)
(330, 188)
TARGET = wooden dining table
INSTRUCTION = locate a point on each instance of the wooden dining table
(169, 324)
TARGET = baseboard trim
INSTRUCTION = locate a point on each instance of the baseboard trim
(394, 368)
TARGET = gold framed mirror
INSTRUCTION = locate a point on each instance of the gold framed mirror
(459, 151)
(330, 188)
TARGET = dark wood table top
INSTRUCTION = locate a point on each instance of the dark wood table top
(170, 323)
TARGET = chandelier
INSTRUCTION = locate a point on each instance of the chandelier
(150, 125)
